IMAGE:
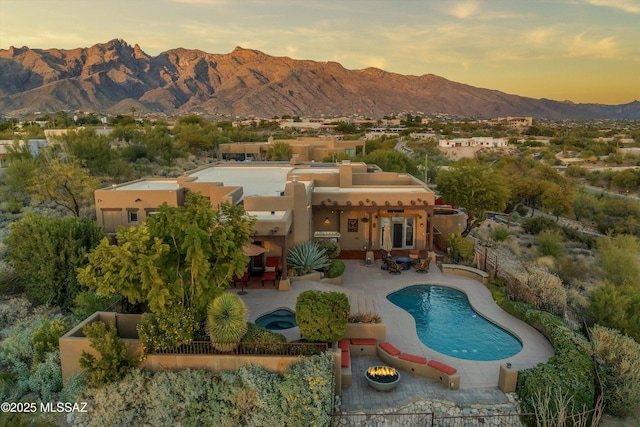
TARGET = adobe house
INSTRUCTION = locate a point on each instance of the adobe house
(353, 203)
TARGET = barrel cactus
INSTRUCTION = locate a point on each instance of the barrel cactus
(226, 321)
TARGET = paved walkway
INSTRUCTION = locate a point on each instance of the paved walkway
(478, 380)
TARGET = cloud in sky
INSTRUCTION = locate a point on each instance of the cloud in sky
(630, 6)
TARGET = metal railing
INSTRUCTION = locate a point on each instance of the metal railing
(248, 348)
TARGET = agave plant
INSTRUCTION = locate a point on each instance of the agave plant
(226, 321)
(306, 257)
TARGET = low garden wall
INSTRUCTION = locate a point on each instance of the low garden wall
(74, 343)
(467, 271)
(366, 330)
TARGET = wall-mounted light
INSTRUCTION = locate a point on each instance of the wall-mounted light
(327, 221)
(421, 225)
(138, 200)
(274, 230)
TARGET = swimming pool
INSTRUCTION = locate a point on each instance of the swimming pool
(446, 322)
(279, 319)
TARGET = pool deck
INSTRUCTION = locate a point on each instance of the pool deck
(376, 284)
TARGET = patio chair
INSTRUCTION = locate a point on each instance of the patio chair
(393, 267)
(423, 267)
(242, 279)
(270, 275)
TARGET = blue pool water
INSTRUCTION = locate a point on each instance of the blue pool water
(276, 320)
(445, 322)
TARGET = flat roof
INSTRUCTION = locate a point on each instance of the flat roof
(163, 184)
(267, 215)
(254, 180)
(373, 189)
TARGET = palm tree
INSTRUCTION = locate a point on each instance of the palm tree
(226, 321)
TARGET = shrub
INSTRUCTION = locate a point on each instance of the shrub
(306, 257)
(500, 234)
(13, 310)
(549, 243)
(226, 321)
(322, 316)
(618, 359)
(616, 307)
(307, 392)
(331, 247)
(258, 334)
(88, 302)
(336, 269)
(365, 317)
(247, 396)
(552, 296)
(45, 337)
(168, 330)
(45, 253)
(45, 378)
(113, 362)
(461, 247)
(538, 224)
(9, 281)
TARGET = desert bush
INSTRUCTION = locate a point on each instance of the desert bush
(618, 359)
(45, 337)
(331, 247)
(306, 257)
(9, 280)
(569, 370)
(538, 224)
(552, 296)
(168, 330)
(500, 234)
(45, 378)
(248, 396)
(336, 269)
(549, 243)
(226, 321)
(616, 306)
(307, 392)
(114, 361)
(365, 317)
(258, 334)
(571, 271)
(322, 316)
(13, 310)
(618, 257)
(461, 247)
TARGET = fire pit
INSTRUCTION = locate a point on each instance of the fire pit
(382, 378)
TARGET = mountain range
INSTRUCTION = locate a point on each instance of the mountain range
(115, 77)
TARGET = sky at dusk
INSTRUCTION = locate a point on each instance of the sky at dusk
(578, 50)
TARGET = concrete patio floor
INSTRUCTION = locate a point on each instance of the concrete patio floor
(376, 284)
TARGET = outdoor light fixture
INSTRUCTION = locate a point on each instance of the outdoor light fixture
(327, 221)
(138, 200)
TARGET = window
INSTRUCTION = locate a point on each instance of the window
(133, 216)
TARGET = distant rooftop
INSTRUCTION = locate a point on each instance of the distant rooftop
(151, 184)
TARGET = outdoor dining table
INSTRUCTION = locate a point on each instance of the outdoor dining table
(405, 261)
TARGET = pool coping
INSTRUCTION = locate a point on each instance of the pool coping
(374, 283)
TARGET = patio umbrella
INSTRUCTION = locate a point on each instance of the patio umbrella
(253, 250)
(386, 238)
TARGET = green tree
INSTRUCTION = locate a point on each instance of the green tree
(392, 161)
(558, 199)
(61, 180)
(184, 255)
(45, 253)
(476, 187)
(626, 180)
(616, 307)
(279, 151)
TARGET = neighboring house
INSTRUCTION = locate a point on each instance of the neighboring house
(476, 141)
(512, 122)
(310, 149)
(353, 203)
(389, 132)
(34, 146)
